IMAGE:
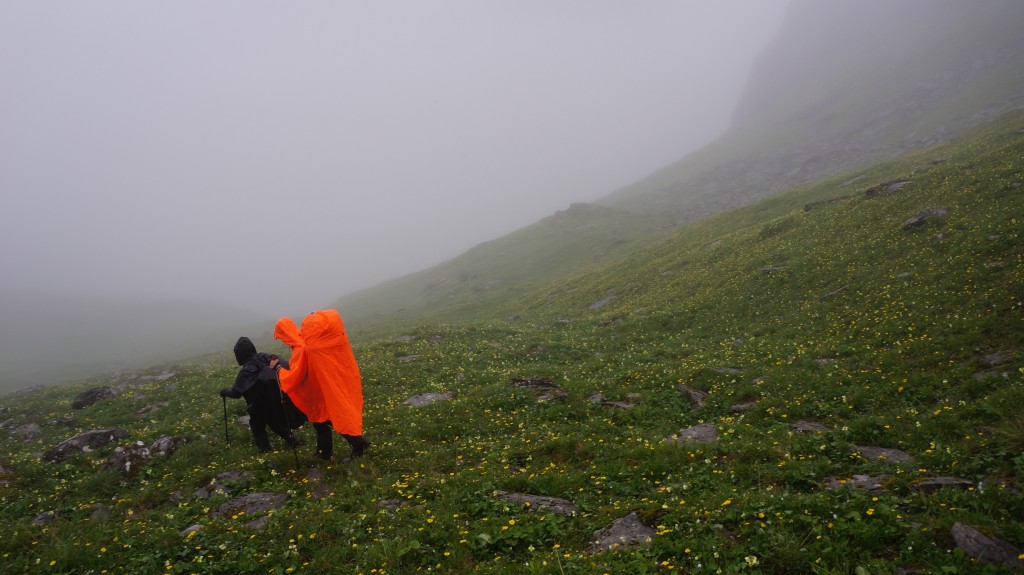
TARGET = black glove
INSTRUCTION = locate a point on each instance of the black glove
(226, 392)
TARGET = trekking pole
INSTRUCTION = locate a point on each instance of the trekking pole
(226, 438)
(284, 410)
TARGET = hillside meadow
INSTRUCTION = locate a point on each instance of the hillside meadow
(853, 348)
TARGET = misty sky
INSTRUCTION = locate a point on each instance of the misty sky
(277, 155)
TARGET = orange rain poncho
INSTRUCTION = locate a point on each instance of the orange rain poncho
(323, 378)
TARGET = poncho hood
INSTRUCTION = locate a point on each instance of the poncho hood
(244, 350)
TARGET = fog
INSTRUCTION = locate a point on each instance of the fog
(276, 156)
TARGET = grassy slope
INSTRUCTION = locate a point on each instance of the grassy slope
(500, 270)
(877, 332)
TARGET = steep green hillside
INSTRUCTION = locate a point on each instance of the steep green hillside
(860, 370)
(502, 270)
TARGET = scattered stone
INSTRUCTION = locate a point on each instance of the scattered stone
(771, 269)
(537, 350)
(866, 482)
(408, 358)
(100, 513)
(27, 431)
(5, 410)
(251, 504)
(83, 442)
(7, 475)
(91, 396)
(885, 454)
(194, 528)
(436, 340)
(994, 264)
(44, 518)
(222, 484)
(999, 357)
(834, 293)
(166, 445)
(160, 377)
(985, 549)
(127, 460)
(925, 216)
(601, 303)
(428, 398)
(542, 389)
(814, 205)
(392, 504)
(315, 477)
(804, 426)
(743, 406)
(600, 398)
(933, 484)
(405, 338)
(625, 533)
(702, 433)
(555, 505)
(258, 523)
(243, 421)
(886, 188)
(66, 421)
(697, 397)
(152, 408)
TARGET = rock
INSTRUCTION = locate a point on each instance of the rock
(772, 269)
(834, 292)
(127, 460)
(808, 427)
(986, 549)
(194, 528)
(83, 442)
(884, 454)
(7, 475)
(166, 445)
(555, 505)
(100, 513)
(925, 216)
(44, 518)
(243, 421)
(408, 358)
(998, 358)
(697, 397)
(91, 396)
(392, 504)
(160, 377)
(886, 188)
(27, 431)
(624, 533)
(251, 504)
(933, 484)
(743, 406)
(600, 398)
(542, 389)
(702, 433)
(428, 398)
(814, 205)
(601, 303)
(258, 523)
(222, 483)
(865, 482)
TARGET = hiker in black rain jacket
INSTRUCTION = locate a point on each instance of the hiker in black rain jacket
(258, 384)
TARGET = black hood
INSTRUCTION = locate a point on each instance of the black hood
(244, 350)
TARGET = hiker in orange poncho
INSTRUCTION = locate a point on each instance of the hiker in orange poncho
(323, 379)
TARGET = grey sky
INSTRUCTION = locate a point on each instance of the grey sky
(206, 149)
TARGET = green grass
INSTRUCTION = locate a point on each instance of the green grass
(879, 333)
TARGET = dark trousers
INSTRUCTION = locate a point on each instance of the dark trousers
(325, 441)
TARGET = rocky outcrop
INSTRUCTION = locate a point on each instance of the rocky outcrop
(83, 442)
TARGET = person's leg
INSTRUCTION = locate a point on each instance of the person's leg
(358, 444)
(258, 426)
(324, 439)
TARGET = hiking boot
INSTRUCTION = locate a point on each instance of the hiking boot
(359, 445)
